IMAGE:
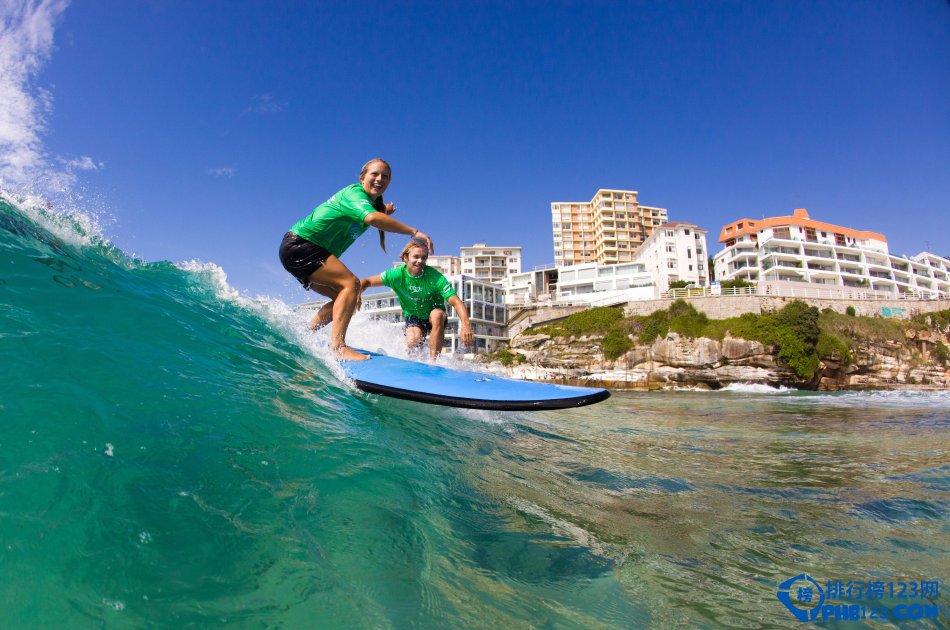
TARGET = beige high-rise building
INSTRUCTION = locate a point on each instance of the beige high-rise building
(606, 230)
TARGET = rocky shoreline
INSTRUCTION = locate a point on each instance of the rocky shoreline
(678, 361)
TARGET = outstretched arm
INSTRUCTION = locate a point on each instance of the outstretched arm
(372, 281)
(365, 283)
(386, 223)
(465, 332)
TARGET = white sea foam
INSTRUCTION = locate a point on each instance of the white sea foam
(931, 400)
(63, 218)
(755, 388)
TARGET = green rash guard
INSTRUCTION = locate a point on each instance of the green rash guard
(336, 223)
(418, 295)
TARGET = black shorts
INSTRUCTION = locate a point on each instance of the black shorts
(301, 257)
(422, 324)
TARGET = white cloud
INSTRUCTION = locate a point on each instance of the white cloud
(84, 163)
(266, 104)
(26, 42)
(223, 171)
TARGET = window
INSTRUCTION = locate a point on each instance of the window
(686, 232)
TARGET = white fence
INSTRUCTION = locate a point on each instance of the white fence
(798, 290)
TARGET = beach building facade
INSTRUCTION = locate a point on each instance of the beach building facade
(676, 251)
(588, 282)
(607, 230)
(601, 284)
(799, 249)
(485, 302)
(490, 263)
(447, 265)
(531, 287)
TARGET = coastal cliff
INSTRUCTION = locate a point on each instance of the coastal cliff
(840, 353)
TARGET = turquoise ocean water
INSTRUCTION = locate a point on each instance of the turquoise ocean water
(173, 454)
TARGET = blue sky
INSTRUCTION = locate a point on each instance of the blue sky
(203, 130)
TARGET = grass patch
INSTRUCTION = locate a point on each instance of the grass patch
(594, 321)
(615, 344)
(941, 319)
(506, 357)
(941, 353)
(875, 329)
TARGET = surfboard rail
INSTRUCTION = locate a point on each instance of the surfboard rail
(440, 385)
(596, 396)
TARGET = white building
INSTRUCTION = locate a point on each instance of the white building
(801, 250)
(447, 265)
(592, 282)
(486, 310)
(675, 251)
(531, 287)
(488, 263)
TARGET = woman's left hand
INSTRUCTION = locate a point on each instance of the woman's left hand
(468, 337)
(389, 207)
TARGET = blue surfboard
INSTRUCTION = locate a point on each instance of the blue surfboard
(438, 385)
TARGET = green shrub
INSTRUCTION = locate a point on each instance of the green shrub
(615, 344)
(651, 326)
(802, 319)
(686, 320)
(593, 321)
(681, 317)
(505, 357)
(850, 311)
(940, 353)
(940, 319)
(832, 347)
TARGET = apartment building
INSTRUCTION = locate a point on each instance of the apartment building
(675, 251)
(800, 249)
(490, 263)
(608, 229)
(531, 287)
(486, 310)
(596, 283)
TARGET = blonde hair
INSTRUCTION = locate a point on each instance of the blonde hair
(382, 235)
(413, 242)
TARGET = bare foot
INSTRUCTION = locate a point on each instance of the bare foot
(345, 353)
